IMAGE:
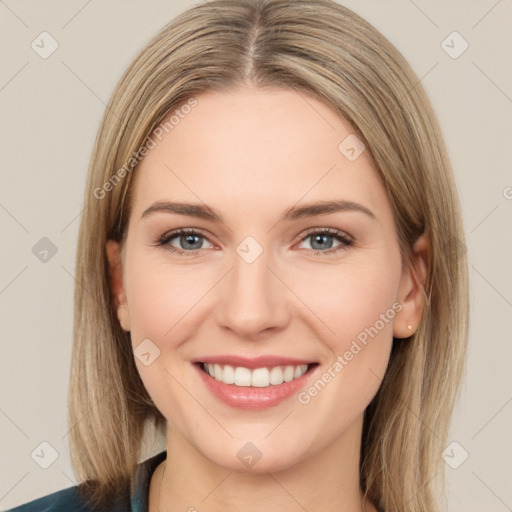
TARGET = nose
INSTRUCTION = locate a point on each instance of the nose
(252, 300)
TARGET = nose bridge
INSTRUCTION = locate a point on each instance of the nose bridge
(252, 297)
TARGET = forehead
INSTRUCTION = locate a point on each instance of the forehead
(252, 148)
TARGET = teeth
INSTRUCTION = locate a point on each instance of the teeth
(288, 373)
(258, 378)
(228, 375)
(242, 376)
(276, 375)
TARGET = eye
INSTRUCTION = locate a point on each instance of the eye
(183, 241)
(327, 241)
(188, 241)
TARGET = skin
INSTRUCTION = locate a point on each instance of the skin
(250, 155)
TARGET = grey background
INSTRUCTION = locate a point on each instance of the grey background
(50, 110)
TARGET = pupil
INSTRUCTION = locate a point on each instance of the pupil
(191, 239)
(323, 241)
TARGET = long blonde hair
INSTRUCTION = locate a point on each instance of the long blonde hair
(322, 48)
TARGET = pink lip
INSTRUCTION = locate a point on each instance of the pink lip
(245, 397)
(255, 362)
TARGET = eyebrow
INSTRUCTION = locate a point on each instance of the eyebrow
(203, 211)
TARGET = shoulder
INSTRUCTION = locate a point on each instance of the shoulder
(69, 500)
(64, 500)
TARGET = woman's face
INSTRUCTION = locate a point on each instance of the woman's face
(290, 258)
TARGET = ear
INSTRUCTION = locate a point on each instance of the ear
(117, 283)
(411, 293)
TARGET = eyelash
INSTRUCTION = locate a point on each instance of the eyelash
(165, 239)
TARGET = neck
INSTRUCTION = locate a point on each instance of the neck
(325, 481)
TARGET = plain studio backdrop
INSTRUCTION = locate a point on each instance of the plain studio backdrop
(52, 96)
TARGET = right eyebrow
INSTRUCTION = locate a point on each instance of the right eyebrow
(193, 210)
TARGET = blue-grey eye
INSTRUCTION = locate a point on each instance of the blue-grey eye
(326, 240)
(321, 241)
(184, 241)
(190, 241)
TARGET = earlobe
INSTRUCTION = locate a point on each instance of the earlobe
(411, 294)
(118, 294)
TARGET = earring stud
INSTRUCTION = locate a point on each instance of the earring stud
(409, 326)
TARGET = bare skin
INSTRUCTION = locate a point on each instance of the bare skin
(250, 156)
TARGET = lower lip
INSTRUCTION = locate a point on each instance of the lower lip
(245, 397)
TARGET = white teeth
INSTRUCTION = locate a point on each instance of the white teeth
(217, 372)
(289, 373)
(258, 378)
(228, 377)
(242, 376)
(276, 375)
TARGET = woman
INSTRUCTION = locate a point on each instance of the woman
(268, 273)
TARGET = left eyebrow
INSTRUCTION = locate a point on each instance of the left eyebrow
(323, 208)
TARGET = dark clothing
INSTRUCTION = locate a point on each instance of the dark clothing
(68, 500)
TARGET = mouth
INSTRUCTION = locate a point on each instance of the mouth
(255, 384)
(257, 377)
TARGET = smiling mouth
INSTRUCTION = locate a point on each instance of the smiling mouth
(257, 377)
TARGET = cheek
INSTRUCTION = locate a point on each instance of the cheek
(160, 299)
(358, 304)
(360, 308)
(351, 299)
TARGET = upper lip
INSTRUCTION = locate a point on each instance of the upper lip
(253, 362)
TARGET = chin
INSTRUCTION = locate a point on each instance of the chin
(254, 454)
